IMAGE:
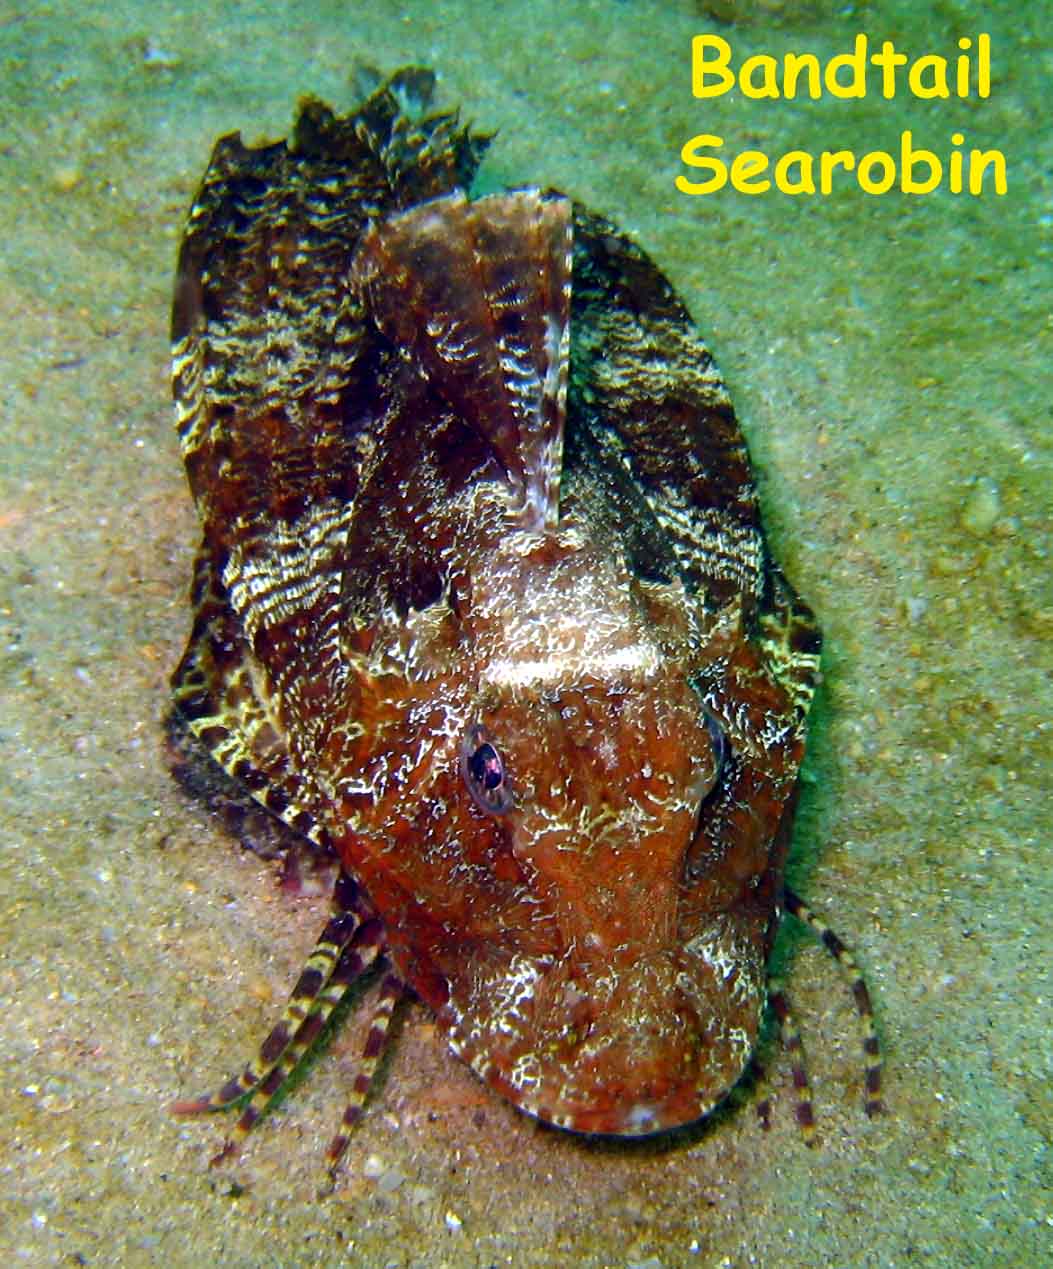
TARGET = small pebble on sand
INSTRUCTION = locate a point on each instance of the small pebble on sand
(982, 507)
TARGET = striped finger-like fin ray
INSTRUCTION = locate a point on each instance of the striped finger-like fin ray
(348, 946)
(350, 928)
(352, 964)
(860, 995)
(792, 1043)
(391, 992)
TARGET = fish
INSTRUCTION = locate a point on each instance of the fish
(484, 612)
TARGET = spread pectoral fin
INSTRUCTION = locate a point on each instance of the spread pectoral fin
(647, 401)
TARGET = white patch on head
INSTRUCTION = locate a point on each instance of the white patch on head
(641, 660)
(543, 623)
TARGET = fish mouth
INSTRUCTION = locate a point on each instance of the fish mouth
(651, 1047)
(644, 1115)
(606, 1101)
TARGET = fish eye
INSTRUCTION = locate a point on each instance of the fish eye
(485, 767)
(483, 771)
(720, 744)
(709, 780)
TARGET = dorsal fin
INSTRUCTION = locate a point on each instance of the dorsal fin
(481, 292)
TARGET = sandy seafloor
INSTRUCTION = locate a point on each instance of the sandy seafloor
(886, 354)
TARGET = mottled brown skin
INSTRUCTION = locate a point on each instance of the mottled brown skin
(468, 477)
